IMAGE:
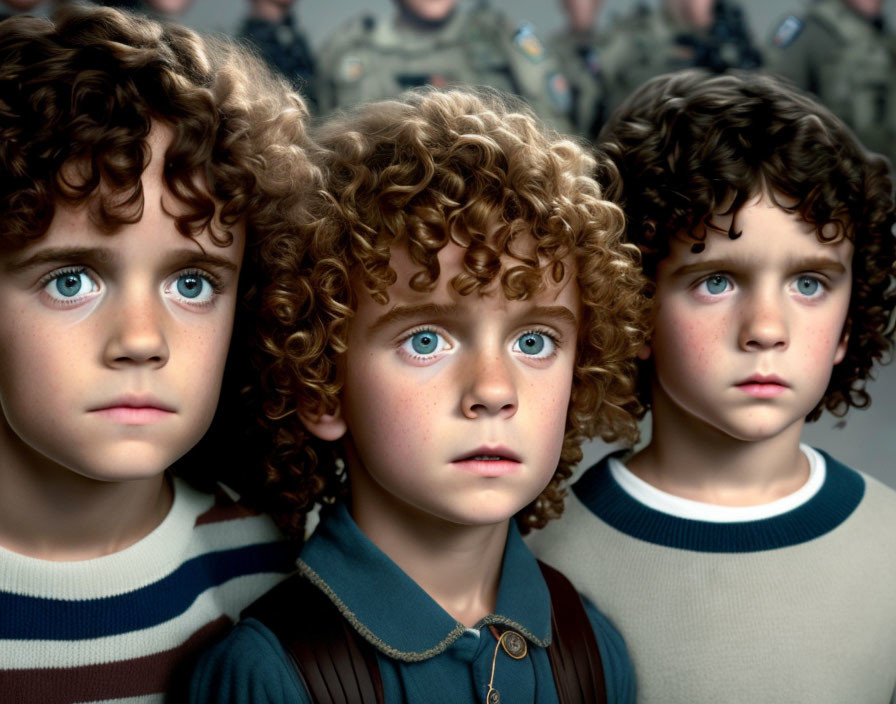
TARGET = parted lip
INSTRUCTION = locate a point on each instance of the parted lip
(134, 401)
(489, 451)
(763, 379)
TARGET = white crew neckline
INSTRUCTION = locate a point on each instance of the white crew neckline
(677, 506)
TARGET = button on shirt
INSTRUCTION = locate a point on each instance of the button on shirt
(424, 654)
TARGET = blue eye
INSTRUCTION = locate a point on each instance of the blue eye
(189, 286)
(424, 342)
(194, 287)
(717, 284)
(70, 285)
(534, 344)
(808, 285)
(424, 345)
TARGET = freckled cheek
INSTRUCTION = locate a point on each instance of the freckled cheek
(199, 355)
(382, 407)
(50, 359)
(546, 402)
(682, 343)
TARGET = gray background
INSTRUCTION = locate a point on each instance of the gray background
(867, 438)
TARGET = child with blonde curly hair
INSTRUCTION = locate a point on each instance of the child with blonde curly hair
(137, 162)
(458, 316)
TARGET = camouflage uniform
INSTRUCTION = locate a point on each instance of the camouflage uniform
(284, 47)
(369, 59)
(849, 62)
(579, 56)
(650, 42)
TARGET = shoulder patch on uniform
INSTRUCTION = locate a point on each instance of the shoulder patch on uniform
(592, 61)
(788, 31)
(351, 68)
(528, 42)
(559, 92)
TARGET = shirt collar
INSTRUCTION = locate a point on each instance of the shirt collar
(394, 613)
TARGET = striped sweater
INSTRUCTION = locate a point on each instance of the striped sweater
(123, 626)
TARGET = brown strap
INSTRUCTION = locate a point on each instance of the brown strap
(336, 666)
(339, 667)
(575, 657)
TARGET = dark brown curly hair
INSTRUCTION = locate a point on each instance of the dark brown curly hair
(84, 88)
(419, 172)
(688, 145)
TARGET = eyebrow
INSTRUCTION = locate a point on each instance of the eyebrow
(58, 255)
(436, 310)
(796, 264)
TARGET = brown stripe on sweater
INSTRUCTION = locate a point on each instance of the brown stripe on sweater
(224, 509)
(150, 674)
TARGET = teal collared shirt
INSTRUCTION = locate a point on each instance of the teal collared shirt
(424, 654)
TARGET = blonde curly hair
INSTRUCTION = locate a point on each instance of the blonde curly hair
(430, 168)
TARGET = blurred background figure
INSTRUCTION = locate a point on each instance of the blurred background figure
(272, 29)
(440, 43)
(843, 52)
(578, 51)
(10, 7)
(712, 34)
(156, 8)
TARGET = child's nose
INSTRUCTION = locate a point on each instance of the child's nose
(136, 334)
(489, 387)
(764, 323)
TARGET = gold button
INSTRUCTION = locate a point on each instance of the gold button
(514, 645)
(493, 696)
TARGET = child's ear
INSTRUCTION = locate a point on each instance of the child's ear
(644, 352)
(326, 426)
(840, 353)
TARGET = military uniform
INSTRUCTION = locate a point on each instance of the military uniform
(649, 42)
(579, 56)
(370, 59)
(284, 47)
(849, 62)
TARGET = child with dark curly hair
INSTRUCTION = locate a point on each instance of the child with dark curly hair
(137, 162)
(460, 314)
(747, 567)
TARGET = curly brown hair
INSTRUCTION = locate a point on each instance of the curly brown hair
(84, 88)
(689, 145)
(430, 168)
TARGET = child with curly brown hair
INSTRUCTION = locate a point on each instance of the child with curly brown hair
(747, 567)
(137, 162)
(458, 317)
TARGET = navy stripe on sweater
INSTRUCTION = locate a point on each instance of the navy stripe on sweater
(39, 618)
(837, 498)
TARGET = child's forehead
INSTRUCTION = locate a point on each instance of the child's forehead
(761, 232)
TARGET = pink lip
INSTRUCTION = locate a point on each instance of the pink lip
(489, 462)
(134, 410)
(762, 386)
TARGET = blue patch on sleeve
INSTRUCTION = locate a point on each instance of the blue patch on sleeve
(788, 31)
(528, 42)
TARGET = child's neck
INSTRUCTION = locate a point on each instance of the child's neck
(458, 566)
(51, 513)
(703, 464)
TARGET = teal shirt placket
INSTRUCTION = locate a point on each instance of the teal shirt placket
(424, 654)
